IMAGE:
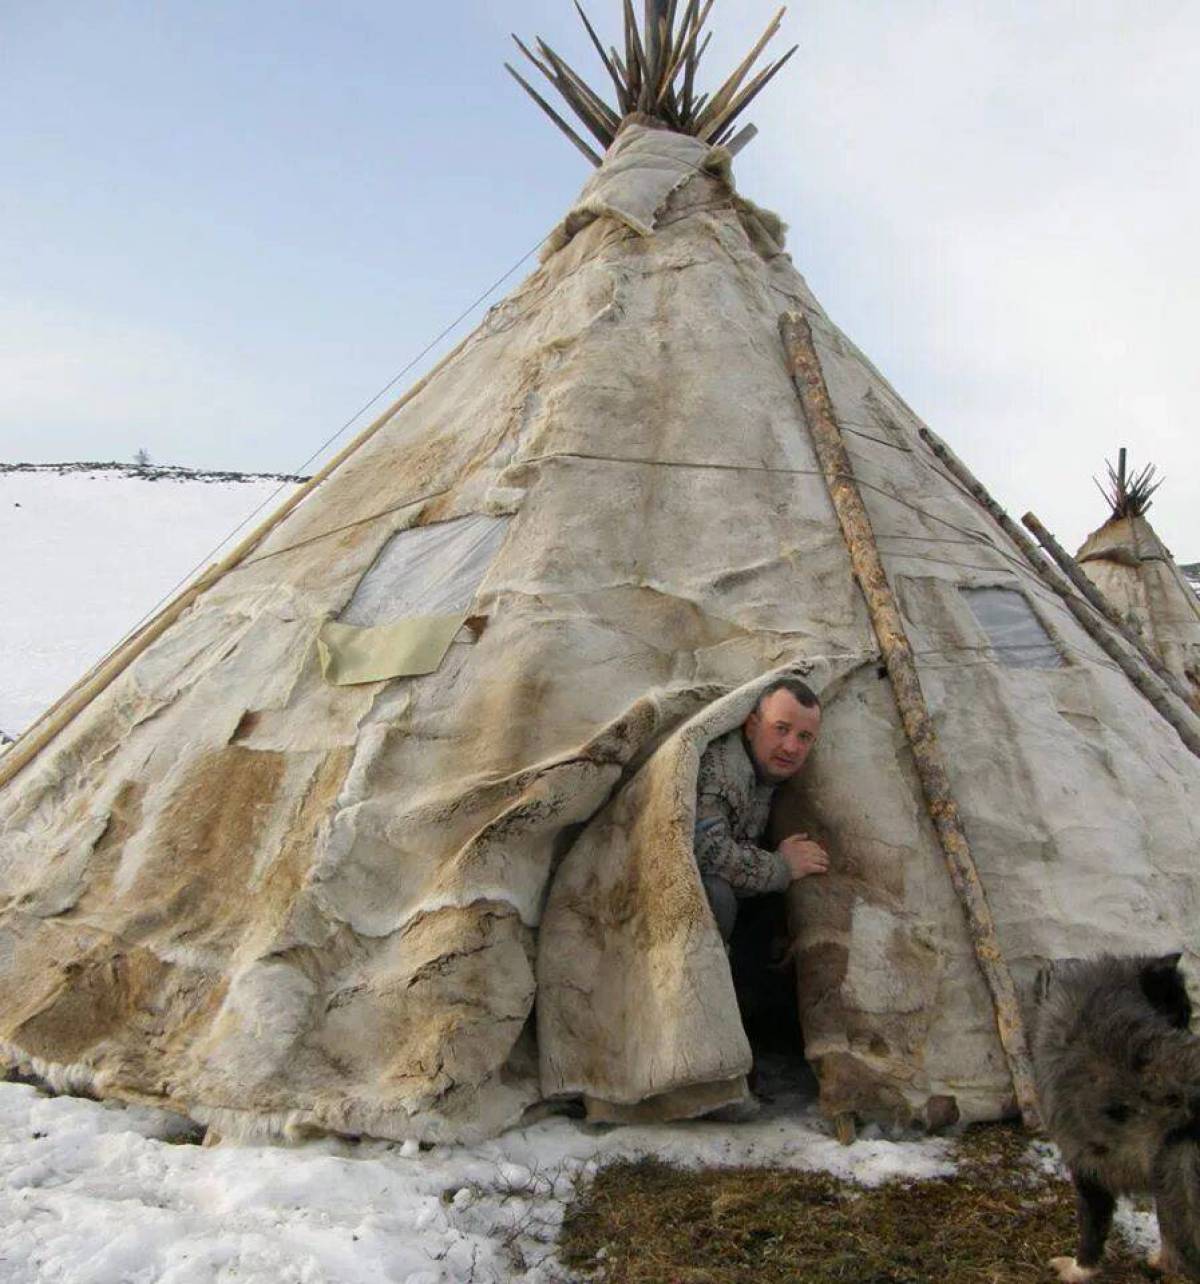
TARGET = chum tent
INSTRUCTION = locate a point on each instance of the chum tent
(384, 826)
(1135, 571)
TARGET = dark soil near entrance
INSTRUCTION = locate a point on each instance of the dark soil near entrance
(998, 1221)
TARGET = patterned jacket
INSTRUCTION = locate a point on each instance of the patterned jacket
(732, 810)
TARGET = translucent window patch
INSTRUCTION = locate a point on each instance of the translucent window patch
(1014, 631)
(428, 570)
(410, 605)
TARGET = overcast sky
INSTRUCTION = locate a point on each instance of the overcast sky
(224, 226)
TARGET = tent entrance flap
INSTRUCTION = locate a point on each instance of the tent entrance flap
(635, 999)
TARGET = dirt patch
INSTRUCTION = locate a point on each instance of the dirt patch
(997, 1222)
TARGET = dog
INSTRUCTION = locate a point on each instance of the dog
(1118, 1078)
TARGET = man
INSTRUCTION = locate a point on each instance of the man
(739, 774)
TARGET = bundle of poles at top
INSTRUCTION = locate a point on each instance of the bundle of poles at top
(1128, 496)
(656, 78)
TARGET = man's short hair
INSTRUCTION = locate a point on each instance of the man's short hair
(801, 691)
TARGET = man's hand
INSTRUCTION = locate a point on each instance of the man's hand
(803, 856)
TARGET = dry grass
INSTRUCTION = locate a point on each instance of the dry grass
(996, 1222)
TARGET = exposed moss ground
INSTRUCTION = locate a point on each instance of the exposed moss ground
(997, 1222)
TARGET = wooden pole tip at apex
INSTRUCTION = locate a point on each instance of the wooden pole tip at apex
(1129, 495)
(741, 139)
(662, 47)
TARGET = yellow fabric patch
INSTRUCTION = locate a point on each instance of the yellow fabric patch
(404, 650)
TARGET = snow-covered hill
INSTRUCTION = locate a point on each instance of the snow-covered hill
(88, 550)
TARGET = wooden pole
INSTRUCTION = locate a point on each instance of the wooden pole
(724, 95)
(805, 368)
(739, 140)
(692, 24)
(1129, 664)
(1075, 573)
(42, 732)
(584, 101)
(609, 66)
(638, 81)
(554, 116)
(733, 110)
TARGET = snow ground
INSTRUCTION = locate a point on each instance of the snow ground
(98, 1193)
(86, 555)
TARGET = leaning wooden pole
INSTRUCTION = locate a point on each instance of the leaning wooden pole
(97, 679)
(805, 368)
(1130, 663)
(1075, 573)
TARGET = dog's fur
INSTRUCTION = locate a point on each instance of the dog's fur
(1118, 1077)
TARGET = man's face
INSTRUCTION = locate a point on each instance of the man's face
(781, 733)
